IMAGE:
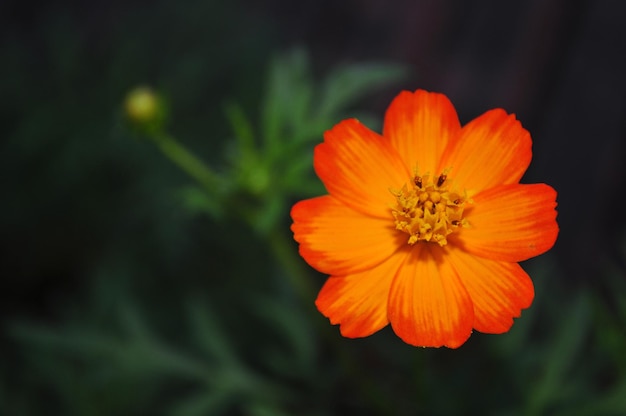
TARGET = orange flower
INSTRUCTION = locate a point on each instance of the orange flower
(425, 224)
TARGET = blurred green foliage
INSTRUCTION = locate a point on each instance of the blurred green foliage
(163, 279)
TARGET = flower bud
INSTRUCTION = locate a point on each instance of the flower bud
(144, 109)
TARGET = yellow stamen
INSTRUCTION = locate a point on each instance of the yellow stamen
(429, 209)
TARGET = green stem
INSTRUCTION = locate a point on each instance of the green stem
(298, 274)
(280, 245)
(193, 166)
(292, 265)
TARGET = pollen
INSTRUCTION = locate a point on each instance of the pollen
(429, 208)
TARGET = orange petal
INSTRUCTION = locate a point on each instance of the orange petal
(428, 305)
(337, 240)
(358, 167)
(419, 126)
(492, 149)
(358, 302)
(499, 290)
(510, 223)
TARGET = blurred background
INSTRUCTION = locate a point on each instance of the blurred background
(129, 287)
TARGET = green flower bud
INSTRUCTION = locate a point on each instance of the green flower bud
(145, 110)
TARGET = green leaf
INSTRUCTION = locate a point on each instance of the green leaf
(346, 85)
(287, 99)
(566, 345)
(197, 200)
(243, 130)
(298, 354)
(204, 325)
(209, 402)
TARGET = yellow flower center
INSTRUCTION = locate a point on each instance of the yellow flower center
(429, 209)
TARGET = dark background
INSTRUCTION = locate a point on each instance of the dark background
(92, 235)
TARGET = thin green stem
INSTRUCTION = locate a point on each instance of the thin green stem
(189, 163)
(299, 277)
(293, 265)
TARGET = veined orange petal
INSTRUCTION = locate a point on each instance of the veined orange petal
(358, 167)
(338, 240)
(419, 126)
(499, 290)
(358, 302)
(510, 223)
(428, 305)
(493, 149)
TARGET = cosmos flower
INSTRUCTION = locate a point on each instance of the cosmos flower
(423, 226)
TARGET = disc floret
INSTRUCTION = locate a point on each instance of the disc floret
(429, 208)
